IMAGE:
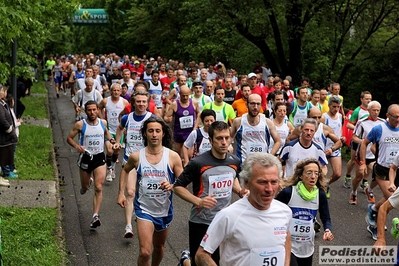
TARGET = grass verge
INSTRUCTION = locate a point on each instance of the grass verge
(33, 158)
(33, 154)
(38, 87)
(36, 105)
(29, 237)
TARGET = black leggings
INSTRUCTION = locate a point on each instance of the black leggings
(295, 261)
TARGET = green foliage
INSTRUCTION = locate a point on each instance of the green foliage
(29, 237)
(32, 23)
(326, 40)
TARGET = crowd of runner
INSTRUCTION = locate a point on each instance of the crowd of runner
(255, 135)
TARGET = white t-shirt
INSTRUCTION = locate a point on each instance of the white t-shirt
(293, 152)
(247, 236)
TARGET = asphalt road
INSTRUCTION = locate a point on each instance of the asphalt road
(106, 245)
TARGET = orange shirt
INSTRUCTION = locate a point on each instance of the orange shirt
(240, 106)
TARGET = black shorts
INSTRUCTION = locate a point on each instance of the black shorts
(196, 232)
(383, 173)
(354, 145)
(88, 163)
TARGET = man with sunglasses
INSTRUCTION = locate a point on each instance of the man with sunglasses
(386, 136)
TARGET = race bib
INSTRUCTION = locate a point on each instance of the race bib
(301, 230)
(186, 122)
(134, 138)
(221, 185)
(391, 154)
(219, 115)
(256, 147)
(113, 118)
(94, 144)
(205, 146)
(274, 256)
(152, 187)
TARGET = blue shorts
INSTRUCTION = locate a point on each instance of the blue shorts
(336, 153)
(58, 80)
(160, 223)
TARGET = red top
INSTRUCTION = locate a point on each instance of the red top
(258, 90)
(151, 107)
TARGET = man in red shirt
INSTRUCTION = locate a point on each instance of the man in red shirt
(127, 65)
(252, 81)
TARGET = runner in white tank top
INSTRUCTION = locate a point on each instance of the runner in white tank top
(157, 166)
(334, 120)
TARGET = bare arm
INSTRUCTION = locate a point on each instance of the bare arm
(198, 116)
(275, 136)
(101, 106)
(168, 116)
(185, 155)
(234, 127)
(122, 113)
(203, 258)
(158, 112)
(171, 95)
(131, 163)
(294, 134)
(72, 77)
(392, 176)
(356, 139)
(290, 127)
(287, 249)
(362, 155)
(350, 126)
(77, 127)
(329, 133)
(238, 189)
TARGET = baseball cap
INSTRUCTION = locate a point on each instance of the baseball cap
(152, 59)
(197, 83)
(136, 62)
(149, 65)
(251, 75)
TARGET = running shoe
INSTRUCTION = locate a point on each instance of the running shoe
(108, 178)
(4, 182)
(371, 215)
(373, 232)
(328, 194)
(58, 96)
(128, 232)
(370, 195)
(353, 199)
(12, 175)
(347, 181)
(394, 229)
(95, 222)
(113, 174)
(364, 184)
(185, 255)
